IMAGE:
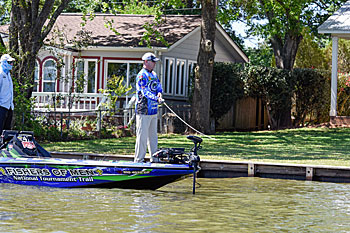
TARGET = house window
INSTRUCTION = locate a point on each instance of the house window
(126, 69)
(176, 77)
(134, 69)
(86, 76)
(169, 70)
(118, 69)
(191, 65)
(180, 78)
(36, 77)
(49, 76)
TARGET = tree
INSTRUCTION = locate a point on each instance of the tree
(260, 56)
(310, 54)
(200, 110)
(31, 22)
(281, 22)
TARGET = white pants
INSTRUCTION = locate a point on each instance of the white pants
(146, 133)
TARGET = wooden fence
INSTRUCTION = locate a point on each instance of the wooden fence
(246, 114)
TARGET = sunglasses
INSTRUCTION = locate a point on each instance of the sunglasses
(10, 62)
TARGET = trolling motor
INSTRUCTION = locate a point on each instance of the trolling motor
(178, 156)
(194, 158)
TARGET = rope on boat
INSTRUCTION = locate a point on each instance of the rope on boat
(187, 123)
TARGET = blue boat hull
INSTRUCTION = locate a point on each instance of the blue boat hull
(72, 173)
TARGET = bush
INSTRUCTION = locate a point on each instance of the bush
(227, 86)
(307, 90)
(274, 87)
(311, 96)
(343, 96)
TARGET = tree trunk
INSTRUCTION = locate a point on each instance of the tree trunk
(285, 53)
(200, 112)
(27, 33)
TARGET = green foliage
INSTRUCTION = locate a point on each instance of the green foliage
(310, 54)
(307, 90)
(343, 55)
(136, 7)
(274, 87)
(280, 23)
(85, 6)
(262, 56)
(343, 94)
(5, 9)
(115, 89)
(226, 87)
(23, 107)
(311, 96)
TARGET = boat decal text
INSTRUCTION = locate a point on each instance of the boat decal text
(50, 174)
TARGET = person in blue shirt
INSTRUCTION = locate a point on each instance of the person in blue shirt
(6, 92)
(148, 95)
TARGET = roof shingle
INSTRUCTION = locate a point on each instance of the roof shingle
(129, 27)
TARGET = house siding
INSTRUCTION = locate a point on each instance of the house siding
(188, 49)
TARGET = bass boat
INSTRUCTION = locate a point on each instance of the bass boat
(23, 161)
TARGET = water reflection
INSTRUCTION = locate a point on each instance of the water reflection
(220, 205)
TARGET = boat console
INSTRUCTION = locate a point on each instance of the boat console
(20, 144)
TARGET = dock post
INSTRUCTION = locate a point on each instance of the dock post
(251, 169)
(309, 173)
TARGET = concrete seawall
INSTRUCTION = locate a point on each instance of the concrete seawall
(234, 169)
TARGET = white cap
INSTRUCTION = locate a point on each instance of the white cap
(150, 57)
(6, 57)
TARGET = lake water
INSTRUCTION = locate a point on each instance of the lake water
(219, 205)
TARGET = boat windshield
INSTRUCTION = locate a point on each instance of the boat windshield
(21, 145)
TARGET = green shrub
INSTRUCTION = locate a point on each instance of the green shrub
(274, 87)
(227, 86)
(307, 90)
(343, 95)
(311, 96)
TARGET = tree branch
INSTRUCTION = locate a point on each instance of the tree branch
(35, 9)
(53, 18)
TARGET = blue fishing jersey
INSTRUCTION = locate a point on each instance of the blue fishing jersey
(147, 88)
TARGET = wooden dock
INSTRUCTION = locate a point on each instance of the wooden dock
(234, 169)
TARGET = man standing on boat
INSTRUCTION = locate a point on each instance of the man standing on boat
(149, 94)
(6, 92)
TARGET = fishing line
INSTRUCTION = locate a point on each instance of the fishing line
(133, 100)
(187, 123)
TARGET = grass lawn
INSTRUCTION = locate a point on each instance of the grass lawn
(321, 146)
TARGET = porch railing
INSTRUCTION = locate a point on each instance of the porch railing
(63, 101)
(78, 103)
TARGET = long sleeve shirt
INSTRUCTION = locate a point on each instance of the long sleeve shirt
(147, 88)
(6, 90)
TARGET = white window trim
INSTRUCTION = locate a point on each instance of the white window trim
(86, 69)
(128, 62)
(38, 72)
(49, 81)
(167, 87)
(183, 78)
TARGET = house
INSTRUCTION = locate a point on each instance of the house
(338, 26)
(92, 48)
